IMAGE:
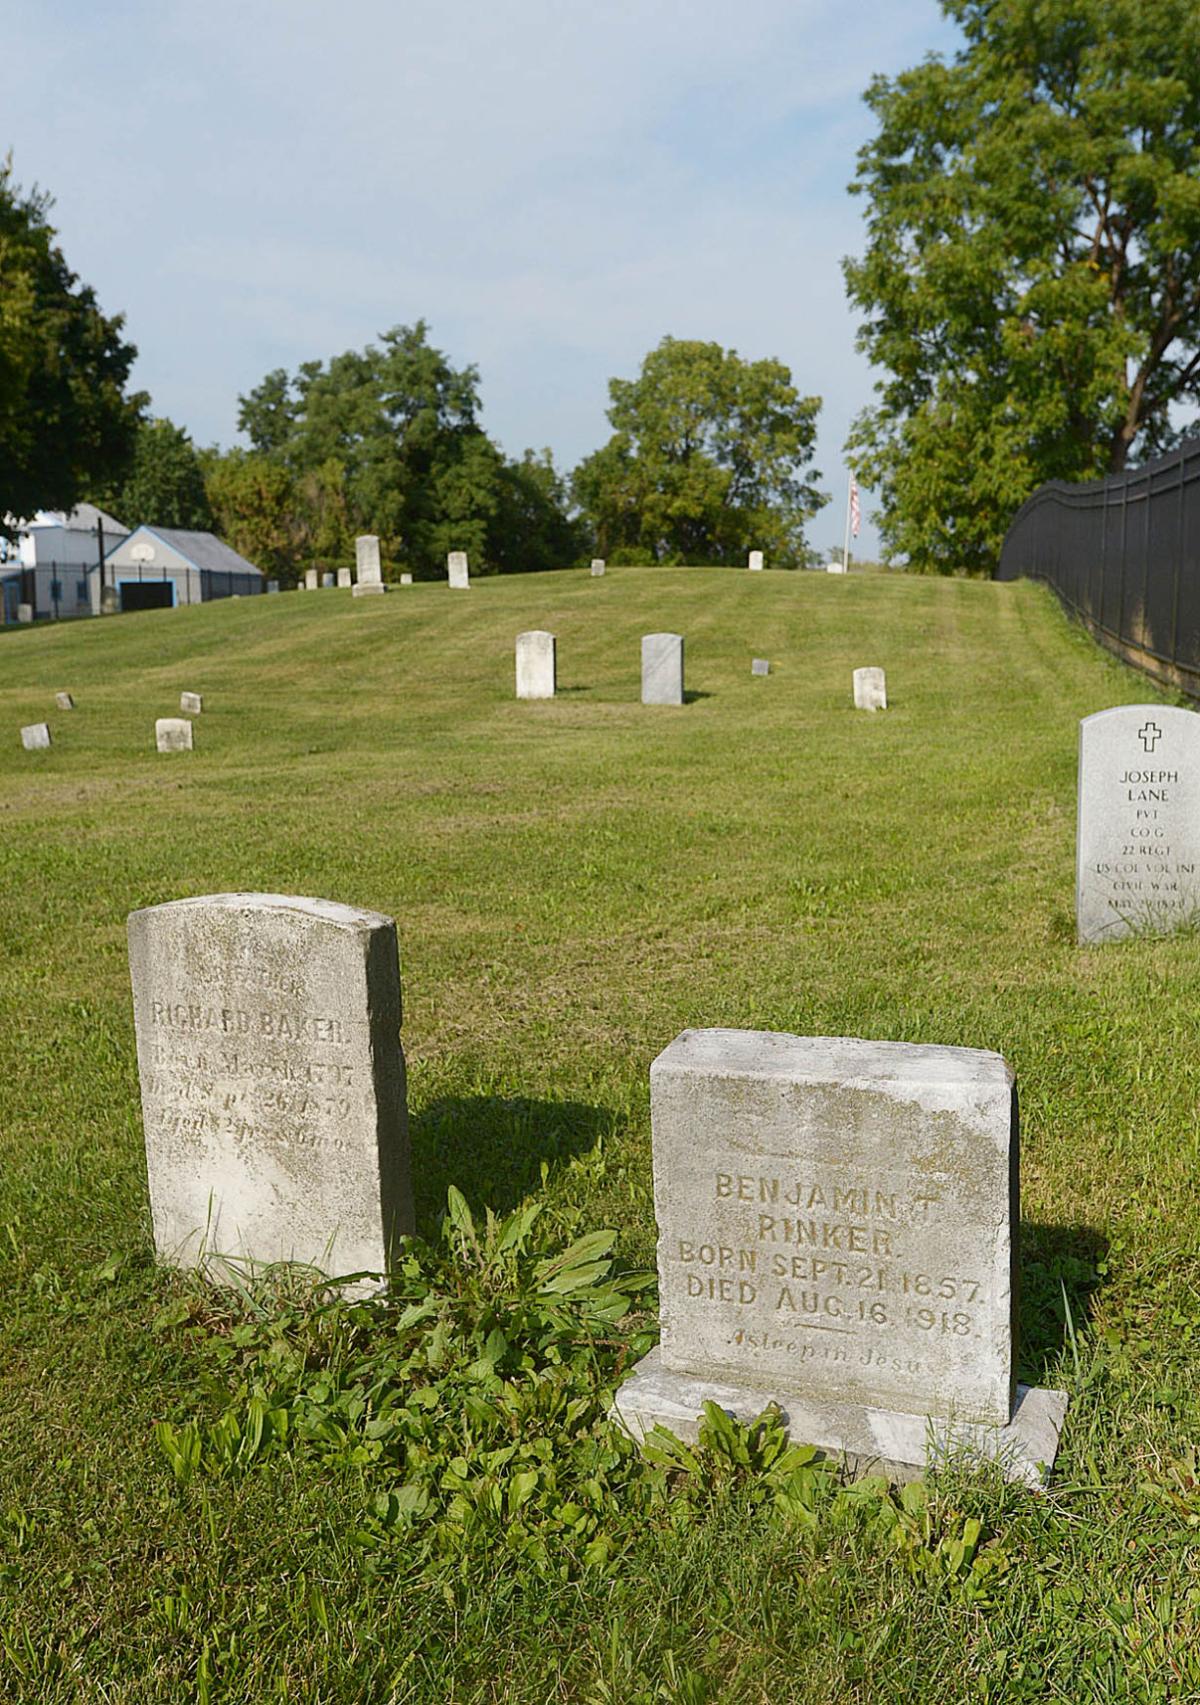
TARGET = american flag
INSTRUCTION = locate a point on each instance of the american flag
(855, 511)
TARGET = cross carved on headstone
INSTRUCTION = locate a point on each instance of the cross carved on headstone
(1150, 735)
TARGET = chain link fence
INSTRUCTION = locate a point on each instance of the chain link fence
(1124, 555)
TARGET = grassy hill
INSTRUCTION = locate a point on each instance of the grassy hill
(574, 882)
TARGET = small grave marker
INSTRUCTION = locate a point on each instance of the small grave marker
(35, 736)
(1138, 840)
(328, 580)
(598, 566)
(345, 577)
(836, 1223)
(191, 704)
(536, 665)
(368, 566)
(662, 668)
(272, 586)
(64, 701)
(760, 666)
(310, 580)
(173, 734)
(755, 562)
(457, 570)
(273, 1092)
(870, 689)
(25, 612)
(406, 580)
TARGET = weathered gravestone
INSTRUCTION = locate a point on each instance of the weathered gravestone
(328, 581)
(368, 566)
(1138, 839)
(173, 734)
(272, 586)
(836, 1225)
(456, 569)
(755, 562)
(662, 668)
(598, 566)
(536, 665)
(25, 612)
(192, 704)
(870, 689)
(35, 736)
(406, 580)
(64, 701)
(310, 580)
(760, 666)
(345, 577)
(273, 1088)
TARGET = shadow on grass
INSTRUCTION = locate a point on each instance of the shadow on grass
(690, 697)
(492, 1148)
(1056, 1260)
(559, 691)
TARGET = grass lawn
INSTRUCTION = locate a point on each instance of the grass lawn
(361, 1504)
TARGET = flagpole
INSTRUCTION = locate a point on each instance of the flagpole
(846, 546)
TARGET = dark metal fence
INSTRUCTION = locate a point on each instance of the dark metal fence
(1124, 555)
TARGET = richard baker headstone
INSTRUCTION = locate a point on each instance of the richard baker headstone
(35, 737)
(1138, 842)
(64, 701)
(755, 562)
(273, 1092)
(192, 704)
(536, 674)
(173, 734)
(368, 566)
(870, 689)
(662, 668)
(836, 1222)
(456, 569)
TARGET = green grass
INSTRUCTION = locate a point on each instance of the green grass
(575, 882)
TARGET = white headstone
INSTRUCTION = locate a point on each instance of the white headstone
(272, 586)
(598, 566)
(191, 704)
(406, 580)
(536, 675)
(273, 1093)
(64, 701)
(1138, 842)
(456, 569)
(328, 580)
(870, 689)
(662, 668)
(311, 581)
(368, 566)
(24, 612)
(760, 666)
(836, 568)
(755, 563)
(35, 736)
(173, 734)
(836, 1224)
(345, 577)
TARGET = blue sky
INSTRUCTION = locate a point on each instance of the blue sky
(552, 185)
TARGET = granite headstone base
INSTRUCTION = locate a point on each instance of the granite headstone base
(869, 1441)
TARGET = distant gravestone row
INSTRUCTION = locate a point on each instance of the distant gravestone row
(836, 1217)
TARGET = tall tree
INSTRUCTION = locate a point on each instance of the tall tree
(708, 458)
(386, 440)
(66, 424)
(165, 484)
(1032, 274)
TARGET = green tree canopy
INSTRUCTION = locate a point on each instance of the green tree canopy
(386, 440)
(1032, 274)
(165, 483)
(708, 459)
(66, 424)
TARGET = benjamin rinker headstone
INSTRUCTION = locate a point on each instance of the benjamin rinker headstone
(1138, 843)
(836, 1225)
(273, 1086)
